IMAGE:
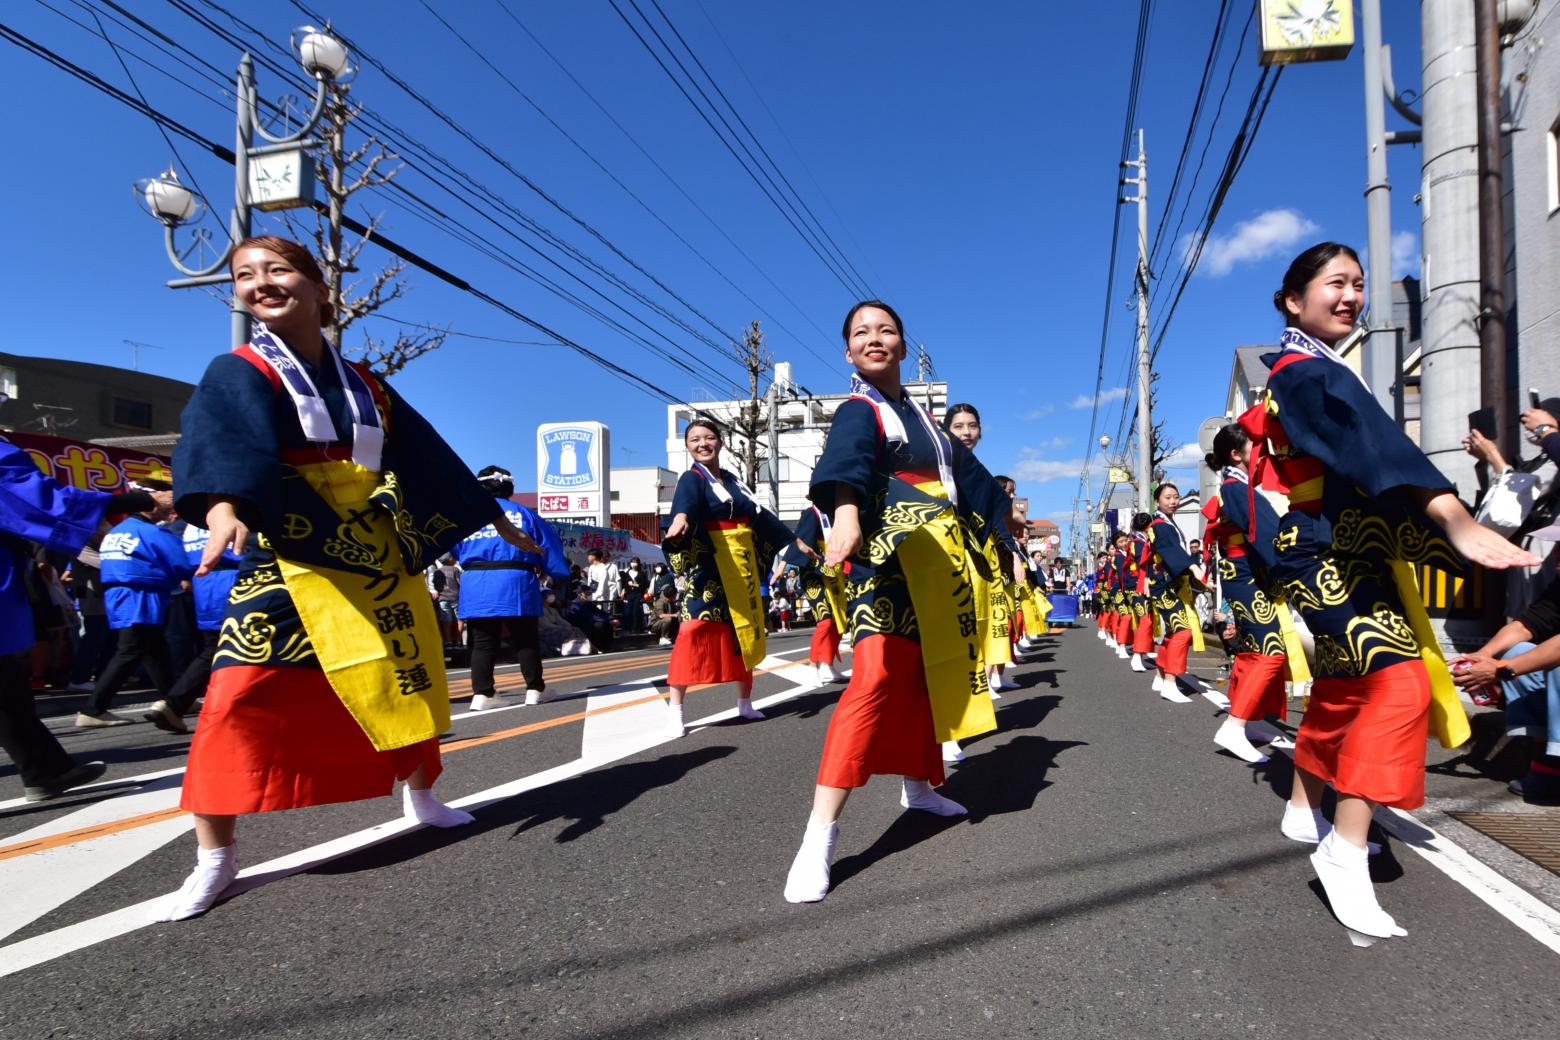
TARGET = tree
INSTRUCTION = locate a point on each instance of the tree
(350, 298)
(1161, 446)
(752, 419)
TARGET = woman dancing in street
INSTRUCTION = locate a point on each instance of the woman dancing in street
(328, 681)
(1172, 589)
(722, 542)
(1365, 506)
(1256, 683)
(897, 491)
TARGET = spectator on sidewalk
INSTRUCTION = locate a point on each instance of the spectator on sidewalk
(636, 592)
(1524, 658)
(602, 581)
(664, 617)
(444, 587)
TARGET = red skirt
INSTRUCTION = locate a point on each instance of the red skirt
(883, 722)
(1172, 653)
(1123, 632)
(1367, 735)
(1143, 634)
(1257, 686)
(706, 652)
(825, 643)
(279, 738)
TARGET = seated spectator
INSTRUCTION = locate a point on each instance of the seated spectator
(664, 617)
(1524, 658)
(556, 636)
(587, 615)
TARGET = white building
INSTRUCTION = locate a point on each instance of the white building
(802, 426)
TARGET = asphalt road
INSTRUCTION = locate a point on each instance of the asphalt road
(1116, 877)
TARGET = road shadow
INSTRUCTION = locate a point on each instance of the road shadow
(808, 705)
(586, 801)
(1488, 755)
(1007, 778)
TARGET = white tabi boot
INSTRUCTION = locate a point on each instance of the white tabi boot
(1170, 690)
(675, 727)
(808, 881)
(1137, 663)
(1231, 736)
(424, 807)
(951, 753)
(918, 794)
(1344, 872)
(214, 871)
(746, 710)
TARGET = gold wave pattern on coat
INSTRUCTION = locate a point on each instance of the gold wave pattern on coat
(262, 580)
(1370, 642)
(251, 641)
(899, 521)
(1358, 532)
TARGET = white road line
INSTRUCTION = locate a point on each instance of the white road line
(62, 941)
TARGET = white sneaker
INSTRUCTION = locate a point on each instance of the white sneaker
(483, 702)
(534, 697)
(663, 641)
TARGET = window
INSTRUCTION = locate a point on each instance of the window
(763, 470)
(135, 414)
(1553, 147)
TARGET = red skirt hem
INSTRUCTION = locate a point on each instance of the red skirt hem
(825, 646)
(270, 739)
(1366, 735)
(883, 722)
(1257, 686)
(1143, 635)
(1173, 651)
(705, 652)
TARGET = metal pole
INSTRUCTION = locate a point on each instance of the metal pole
(1145, 459)
(1376, 350)
(774, 444)
(239, 223)
(1492, 230)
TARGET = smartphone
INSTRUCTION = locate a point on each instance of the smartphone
(1533, 401)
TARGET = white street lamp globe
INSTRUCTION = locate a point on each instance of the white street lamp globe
(320, 53)
(1105, 441)
(168, 200)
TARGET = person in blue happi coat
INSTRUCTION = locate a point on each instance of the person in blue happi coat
(501, 587)
(210, 596)
(37, 508)
(141, 566)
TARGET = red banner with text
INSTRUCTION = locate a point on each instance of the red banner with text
(94, 466)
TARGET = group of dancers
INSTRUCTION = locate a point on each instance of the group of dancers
(328, 681)
(1324, 509)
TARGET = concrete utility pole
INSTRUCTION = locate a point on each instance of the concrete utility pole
(774, 444)
(1492, 229)
(1145, 459)
(1449, 386)
(1378, 360)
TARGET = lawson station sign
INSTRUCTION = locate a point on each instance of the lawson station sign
(573, 470)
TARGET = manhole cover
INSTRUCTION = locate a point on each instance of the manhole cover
(1534, 835)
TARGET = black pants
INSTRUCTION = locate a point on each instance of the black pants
(487, 634)
(23, 736)
(192, 681)
(139, 646)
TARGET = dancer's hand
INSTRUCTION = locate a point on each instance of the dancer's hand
(227, 532)
(514, 536)
(1477, 544)
(678, 527)
(845, 536)
(811, 553)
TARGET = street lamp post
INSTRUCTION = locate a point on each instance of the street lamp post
(275, 175)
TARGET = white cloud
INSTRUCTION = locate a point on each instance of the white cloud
(1032, 470)
(1405, 254)
(1187, 456)
(1272, 231)
(1041, 412)
(1115, 393)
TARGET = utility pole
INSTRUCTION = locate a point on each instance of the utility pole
(1378, 353)
(1145, 461)
(1492, 229)
(1450, 382)
(774, 444)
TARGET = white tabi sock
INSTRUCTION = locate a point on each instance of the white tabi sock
(674, 721)
(214, 871)
(918, 794)
(746, 710)
(1231, 736)
(424, 807)
(1344, 872)
(1137, 663)
(808, 881)
(951, 752)
(1121, 652)
(1170, 690)
(1307, 825)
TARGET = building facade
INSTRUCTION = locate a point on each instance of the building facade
(89, 402)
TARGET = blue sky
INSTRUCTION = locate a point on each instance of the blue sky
(963, 158)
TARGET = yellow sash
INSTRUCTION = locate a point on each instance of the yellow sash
(1294, 651)
(939, 578)
(737, 561)
(377, 640)
(997, 648)
(1448, 719)
(1034, 612)
(1185, 594)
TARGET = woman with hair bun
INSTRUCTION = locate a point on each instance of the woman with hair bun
(1365, 508)
(1140, 556)
(903, 501)
(722, 542)
(328, 681)
(1172, 587)
(1256, 683)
